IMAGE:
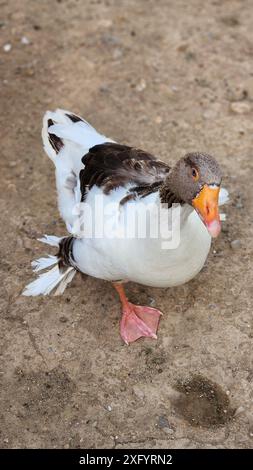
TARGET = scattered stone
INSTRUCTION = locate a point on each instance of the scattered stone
(236, 92)
(109, 408)
(210, 114)
(141, 85)
(163, 422)
(240, 107)
(235, 244)
(213, 306)
(117, 53)
(7, 47)
(63, 319)
(152, 302)
(104, 23)
(239, 205)
(104, 88)
(202, 82)
(6, 440)
(181, 123)
(169, 430)
(239, 410)
(174, 88)
(110, 40)
(190, 56)
(25, 41)
(167, 90)
(138, 392)
(183, 47)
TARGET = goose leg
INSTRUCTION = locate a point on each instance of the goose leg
(136, 320)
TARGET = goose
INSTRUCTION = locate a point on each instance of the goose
(129, 217)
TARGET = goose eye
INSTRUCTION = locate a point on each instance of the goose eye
(195, 174)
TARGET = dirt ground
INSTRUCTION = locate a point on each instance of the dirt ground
(170, 77)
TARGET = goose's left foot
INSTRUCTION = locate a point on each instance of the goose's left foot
(136, 321)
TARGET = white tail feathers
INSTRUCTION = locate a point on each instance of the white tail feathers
(43, 263)
(51, 240)
(53, 278)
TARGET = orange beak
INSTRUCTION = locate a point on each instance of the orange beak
(206, 205)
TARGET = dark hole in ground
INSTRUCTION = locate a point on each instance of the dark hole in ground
(203, 403)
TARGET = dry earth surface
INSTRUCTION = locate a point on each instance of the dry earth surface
(170, 77)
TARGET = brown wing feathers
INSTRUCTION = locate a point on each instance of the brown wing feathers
(112, 165)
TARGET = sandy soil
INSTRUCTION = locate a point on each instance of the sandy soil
(171, 77)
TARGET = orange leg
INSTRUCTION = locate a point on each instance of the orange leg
(136, 321)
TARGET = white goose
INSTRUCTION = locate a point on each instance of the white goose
(103, 188)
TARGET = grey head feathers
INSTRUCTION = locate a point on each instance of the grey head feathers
(191, 173)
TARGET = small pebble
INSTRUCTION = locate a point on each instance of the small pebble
(240, 107)
(182, 47)
(210, 114)
(104, 23)
(138, 392)
(25, 41)
(169, 430)
(239, 205)
(239, 410)
(158, 120)
(163, 422)
(212, 306)
(152, 302)
(109, 408)
(235, 244)
(63, 319)
(7, 47)
(104, 88)
(117, 54)
(110, 40)
(141, 85)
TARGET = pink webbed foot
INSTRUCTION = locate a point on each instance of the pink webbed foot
(138, 321)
